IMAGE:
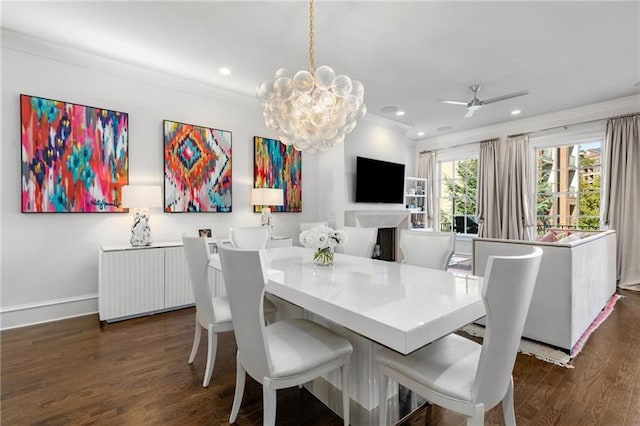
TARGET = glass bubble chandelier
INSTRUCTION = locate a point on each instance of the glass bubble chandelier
(312, 110)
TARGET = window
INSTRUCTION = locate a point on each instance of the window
(458, 190)
(568, 186)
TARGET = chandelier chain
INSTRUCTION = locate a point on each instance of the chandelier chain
(312, 61)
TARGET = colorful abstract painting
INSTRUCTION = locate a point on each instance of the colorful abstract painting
(197, 168)
(74, 157)
(277, 165)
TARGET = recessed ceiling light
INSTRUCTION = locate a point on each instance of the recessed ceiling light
(420, 133)
(224, 71)
(443, 128)
(399, 113)
(515, 112)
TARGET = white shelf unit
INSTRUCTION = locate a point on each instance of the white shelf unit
(415, 201)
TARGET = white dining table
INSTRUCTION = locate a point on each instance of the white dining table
(371, 302)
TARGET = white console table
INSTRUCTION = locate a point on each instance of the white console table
(137, 281)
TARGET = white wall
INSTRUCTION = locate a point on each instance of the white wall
(49, 263)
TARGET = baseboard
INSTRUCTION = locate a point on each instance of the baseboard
(50, 310)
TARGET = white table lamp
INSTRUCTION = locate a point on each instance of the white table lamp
(267, 197)
(141, 198)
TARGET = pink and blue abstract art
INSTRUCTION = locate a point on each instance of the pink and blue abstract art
(277, 165)
(197, 168)
(74, 157)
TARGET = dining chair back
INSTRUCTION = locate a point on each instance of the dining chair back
(460, 374)
(427, 249)
(212, 314)
(250, 237)
(303, 226)
(360, 241)
(506, 294)
(284, 354)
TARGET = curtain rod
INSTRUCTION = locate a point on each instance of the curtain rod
(563, 126)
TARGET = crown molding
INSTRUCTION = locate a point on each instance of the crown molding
(29, 45)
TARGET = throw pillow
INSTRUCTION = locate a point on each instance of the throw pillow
(549, 237)
(570, 238)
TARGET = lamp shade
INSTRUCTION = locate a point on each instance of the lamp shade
(141, 196)
(267, 197)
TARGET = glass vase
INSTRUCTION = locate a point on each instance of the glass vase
(323, 256)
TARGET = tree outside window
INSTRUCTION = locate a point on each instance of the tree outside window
(568, 192)
(458, 195)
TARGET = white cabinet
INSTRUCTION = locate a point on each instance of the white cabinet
(136, 281)
(415, 201)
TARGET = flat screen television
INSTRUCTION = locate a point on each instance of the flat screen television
(379, 181)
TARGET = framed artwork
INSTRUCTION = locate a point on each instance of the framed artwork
(75, 158)
(277, 165)
(197, 168)
(206, 232)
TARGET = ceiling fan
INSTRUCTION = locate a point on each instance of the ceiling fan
(475, 104)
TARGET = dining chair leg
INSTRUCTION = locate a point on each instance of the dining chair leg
(346, 394)
(383, 383)
(211, 355)
(237, 397)
(196, 341)
(477, 418)
(269, 404)
(507, 406)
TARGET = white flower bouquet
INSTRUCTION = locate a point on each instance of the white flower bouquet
(323, 240)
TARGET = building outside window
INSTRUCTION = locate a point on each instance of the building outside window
(458, 194)
(568, 187)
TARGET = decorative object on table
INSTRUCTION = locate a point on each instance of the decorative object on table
(204, 232)
(74, 157)
(312, 110)
(323, 240)
(140, 198)
(197, 168)
(266, 197)
(278, 166)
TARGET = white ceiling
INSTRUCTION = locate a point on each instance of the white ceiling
(566, 54)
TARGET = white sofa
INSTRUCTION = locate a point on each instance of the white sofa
(575, 281)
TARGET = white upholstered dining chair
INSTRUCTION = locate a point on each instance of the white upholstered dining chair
(460, 374)
(212, 313)
(303, 226)
(360, 241)
(284, 354)
(427, 249)
(250, 237)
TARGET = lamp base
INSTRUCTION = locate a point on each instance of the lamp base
(140, 230)
(267, 220)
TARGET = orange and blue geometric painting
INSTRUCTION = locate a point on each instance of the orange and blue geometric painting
(277, 165)
(197, 168)
(74, 157)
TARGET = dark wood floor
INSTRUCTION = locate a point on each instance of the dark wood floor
(135, 373)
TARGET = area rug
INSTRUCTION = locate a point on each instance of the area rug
(548, 353)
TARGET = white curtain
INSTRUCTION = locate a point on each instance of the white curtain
(427, 170)
(621, 210)
(505, 189)
(488, 210)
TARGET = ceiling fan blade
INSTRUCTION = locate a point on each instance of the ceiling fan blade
(444, 101)
(504, 97)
